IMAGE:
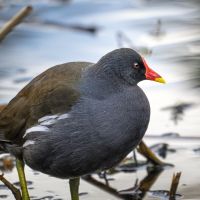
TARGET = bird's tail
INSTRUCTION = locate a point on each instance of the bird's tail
(6, 146)
(2, 147)
(3, 140)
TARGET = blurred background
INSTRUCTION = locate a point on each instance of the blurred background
(166, 33)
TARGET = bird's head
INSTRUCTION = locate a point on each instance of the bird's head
(129, 66)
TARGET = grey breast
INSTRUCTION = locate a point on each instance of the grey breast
(95, 134)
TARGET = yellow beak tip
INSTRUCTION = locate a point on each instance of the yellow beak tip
(160, 80)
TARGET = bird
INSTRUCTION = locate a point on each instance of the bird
(79, 117)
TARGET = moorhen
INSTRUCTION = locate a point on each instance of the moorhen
(78, 117)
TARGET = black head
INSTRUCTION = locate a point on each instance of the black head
(127, 65)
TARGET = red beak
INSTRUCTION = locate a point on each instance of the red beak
(152, 75)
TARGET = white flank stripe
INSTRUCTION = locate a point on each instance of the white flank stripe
(64, 116)
(28, 142)
(44, 122)
(48, 117)
(37, 128)
(48, 122)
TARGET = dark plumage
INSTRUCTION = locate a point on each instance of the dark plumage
(95, 115)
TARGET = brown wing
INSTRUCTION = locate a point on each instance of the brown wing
(51, 92)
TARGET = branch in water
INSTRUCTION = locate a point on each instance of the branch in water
(16, 192)
(174, 185)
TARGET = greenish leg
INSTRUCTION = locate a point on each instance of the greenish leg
(74, 188)
(22, 179)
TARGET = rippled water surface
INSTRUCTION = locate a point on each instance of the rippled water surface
(167, 33)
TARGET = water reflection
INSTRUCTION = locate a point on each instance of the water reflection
(162, 149)
(158, 31)
(178, 110)
(124, 41)
(137, 192)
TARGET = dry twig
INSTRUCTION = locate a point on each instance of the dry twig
(14, 21)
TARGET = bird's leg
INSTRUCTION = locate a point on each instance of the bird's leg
(74, 188)
(22, 179)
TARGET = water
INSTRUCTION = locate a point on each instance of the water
(166, 32)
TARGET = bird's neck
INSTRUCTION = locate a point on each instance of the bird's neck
(101, 82)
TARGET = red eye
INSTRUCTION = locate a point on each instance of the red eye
(136, 65)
